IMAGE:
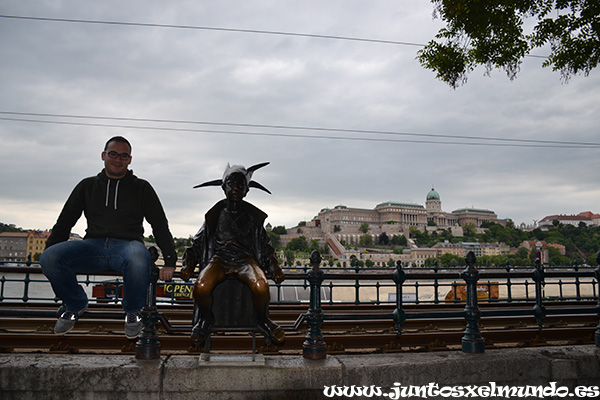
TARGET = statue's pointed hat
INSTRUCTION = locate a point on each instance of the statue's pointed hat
(247, 172)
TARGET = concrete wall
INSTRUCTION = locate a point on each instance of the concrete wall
(99, 377)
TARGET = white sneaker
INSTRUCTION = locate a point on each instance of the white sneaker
(133, 325)
(67, 320)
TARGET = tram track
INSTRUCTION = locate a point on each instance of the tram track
(28, 327)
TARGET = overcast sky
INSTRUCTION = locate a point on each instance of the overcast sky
(130, 75)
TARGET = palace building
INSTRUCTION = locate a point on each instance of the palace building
(397, 216)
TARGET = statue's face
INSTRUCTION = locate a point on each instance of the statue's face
(235, 187)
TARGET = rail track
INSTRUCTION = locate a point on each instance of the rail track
(27, 327)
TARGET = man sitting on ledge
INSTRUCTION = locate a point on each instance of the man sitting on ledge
(233, 242)
(115, 203)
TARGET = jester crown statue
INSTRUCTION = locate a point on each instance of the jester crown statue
(233, 242)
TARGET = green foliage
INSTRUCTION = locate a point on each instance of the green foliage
(297, 244)
(383, 239)
(10, 228)
(398, 240)
(290, 256)
(275, 239)
(490, 33)
(280, 230)
(180, 244)
(314, 245)
(364, 227)
(365, 240)
(469, 230)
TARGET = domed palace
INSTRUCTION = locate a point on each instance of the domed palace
(401, 215)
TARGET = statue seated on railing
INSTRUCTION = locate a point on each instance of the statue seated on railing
(233, 244)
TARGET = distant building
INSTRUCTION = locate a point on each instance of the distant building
(13, 246)
(36, 242)
(540, 245)
(587, 217)
(445, 247)
(341, 227)
(397, 217)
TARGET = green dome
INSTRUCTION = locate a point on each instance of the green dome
(433, 195)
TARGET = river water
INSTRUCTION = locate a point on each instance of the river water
(14, 288)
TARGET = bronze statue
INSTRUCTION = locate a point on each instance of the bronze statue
(233, 242)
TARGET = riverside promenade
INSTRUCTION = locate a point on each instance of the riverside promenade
(575, 371)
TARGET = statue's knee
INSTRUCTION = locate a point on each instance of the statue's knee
(202, 289)
(261, 287)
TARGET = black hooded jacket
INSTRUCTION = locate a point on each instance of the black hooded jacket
(115, 208)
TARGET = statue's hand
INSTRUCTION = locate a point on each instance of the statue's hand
(278, 275)
(186, 273)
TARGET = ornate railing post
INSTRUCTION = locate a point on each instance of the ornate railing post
(508, 282)
(538, 276)
(147, 346)
(436, 284)
(472, 341)
(597, 273)
(314, 347)
(399, 313)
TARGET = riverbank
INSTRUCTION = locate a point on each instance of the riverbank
(100, 377)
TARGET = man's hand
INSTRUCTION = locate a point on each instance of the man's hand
(166, 273)
(278, 275)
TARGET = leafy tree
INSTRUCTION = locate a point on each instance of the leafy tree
(469, 230)
(275, 239)
(297, 244)
(365, 240)
(10, 228)
(399, 240)
(415, 233)
(451, 260)
(384, 239)
(364, 227)
(280, 230)
(290, 257)
(591, 260)
(491, 33)
(314, 245)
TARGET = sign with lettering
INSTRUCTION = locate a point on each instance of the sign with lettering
(178, 290)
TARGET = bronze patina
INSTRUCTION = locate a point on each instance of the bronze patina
(233, 243)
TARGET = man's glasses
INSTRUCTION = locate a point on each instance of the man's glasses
(114, 155)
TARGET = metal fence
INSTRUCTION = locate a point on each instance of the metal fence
(535, 291)
(20, 282)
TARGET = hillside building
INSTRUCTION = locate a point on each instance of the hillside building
(587, 218)
(397, 217)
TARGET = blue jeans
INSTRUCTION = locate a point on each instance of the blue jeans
(63, 261)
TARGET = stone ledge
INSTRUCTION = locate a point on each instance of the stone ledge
(50, 376)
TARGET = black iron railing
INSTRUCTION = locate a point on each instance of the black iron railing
(527, 291)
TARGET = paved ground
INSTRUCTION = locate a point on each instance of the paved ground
(53, 376)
